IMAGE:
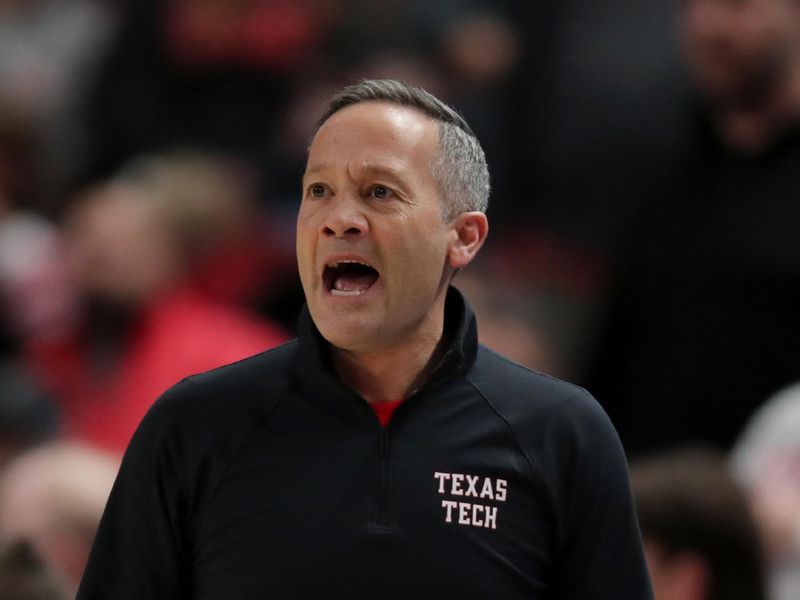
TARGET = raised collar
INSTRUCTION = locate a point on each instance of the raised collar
(460, 330)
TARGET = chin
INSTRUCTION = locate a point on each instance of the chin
(347, 332)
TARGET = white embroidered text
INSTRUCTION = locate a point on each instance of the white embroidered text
(462, 485)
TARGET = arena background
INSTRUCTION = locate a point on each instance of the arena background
(631, 251)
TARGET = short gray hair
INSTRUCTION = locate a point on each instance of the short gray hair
(459, 164)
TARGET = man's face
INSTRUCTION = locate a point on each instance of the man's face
(119, 247)
(369, 198)
(737, 49)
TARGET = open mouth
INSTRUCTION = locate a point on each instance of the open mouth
(349, 277)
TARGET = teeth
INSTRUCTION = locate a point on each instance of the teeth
(336, 292)
(335, 264)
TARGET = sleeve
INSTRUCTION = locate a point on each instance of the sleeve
(141, 548)
(601, 555)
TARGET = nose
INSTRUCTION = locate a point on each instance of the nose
(344, 218)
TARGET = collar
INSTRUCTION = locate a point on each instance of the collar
(460, 330)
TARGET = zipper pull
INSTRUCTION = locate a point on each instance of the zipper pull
(384, 442)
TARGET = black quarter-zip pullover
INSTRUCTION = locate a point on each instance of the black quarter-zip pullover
(269, 478)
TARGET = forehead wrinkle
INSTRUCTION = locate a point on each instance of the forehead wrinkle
(386, 168)
(391, 169)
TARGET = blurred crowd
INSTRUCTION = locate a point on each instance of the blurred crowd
(645, 162)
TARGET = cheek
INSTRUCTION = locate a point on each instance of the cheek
(303, 221)
(305, 260)
(304, 247)
(422, 259)
(305, 229)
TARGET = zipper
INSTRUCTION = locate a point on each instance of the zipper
(382, 516)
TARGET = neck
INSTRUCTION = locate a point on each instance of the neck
(394, 372)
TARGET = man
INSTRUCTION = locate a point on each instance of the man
(52, 497)
(766, 461)
(744, 58)
(701, 540)
(24, 576)
(703, 317)
(275, 477)
(135, 246)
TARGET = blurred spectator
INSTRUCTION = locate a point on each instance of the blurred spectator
(27, 415)
(513, 315)
(35, 298)
(745, 61)
(33, 294)
(480, 58)
(48, 54)
(23, 575)
(209, 200)
(601, 90)
(239, 76)
(481, 47)
(208, 73)
(703, 320)
(466, 51)
(766, 460)
(549, 286)
(52, 498)
(135, 245)
(19, 156)
(701, 541)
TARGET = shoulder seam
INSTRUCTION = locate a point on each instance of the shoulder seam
(577, 388)
(200, 518)
(277, 348)
(535, 471)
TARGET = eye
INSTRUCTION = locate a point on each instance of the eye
(380, 192)
(317, 190)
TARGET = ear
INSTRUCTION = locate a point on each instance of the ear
(471, 229)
